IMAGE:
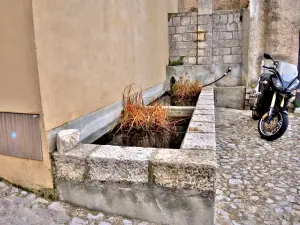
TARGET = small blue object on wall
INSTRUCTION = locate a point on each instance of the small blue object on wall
(14, 135)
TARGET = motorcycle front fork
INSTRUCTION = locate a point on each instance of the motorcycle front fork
(272, 106)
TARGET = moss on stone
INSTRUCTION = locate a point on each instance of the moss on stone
(48, 193)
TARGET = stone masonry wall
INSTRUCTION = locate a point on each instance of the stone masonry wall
(183, 37)
(227, 46)
(213, 41)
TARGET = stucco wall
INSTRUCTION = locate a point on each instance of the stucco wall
(274, 30)
(19, 89)
(88, 51)
(282, 31)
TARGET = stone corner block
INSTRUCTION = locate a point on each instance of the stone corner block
(119, 164)
(184, 169)
(72, 165)
(67, 140)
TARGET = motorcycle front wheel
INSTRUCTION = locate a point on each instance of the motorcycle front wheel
(276, 128)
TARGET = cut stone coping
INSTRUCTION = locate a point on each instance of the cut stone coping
(201, 130)
(172, 186)
(179, 111)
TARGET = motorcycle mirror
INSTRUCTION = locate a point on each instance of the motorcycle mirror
(267, 56)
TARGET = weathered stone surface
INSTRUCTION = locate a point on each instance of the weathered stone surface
(201, 127)
(205, 7)
(92, 217)
(230, 97)
(114, 163)
(204, 106)
(56, 206)
(172, 30)
(176, 21)
(204, 19)
(225, 51)
(77, 221)
(232, 59)
(67, 140)
(159, 204)
(176, 37)
(233, 79)
(205, 141)
(236, 50)
(206, 97)
(184, 45)
(205, 102)
(200, 111)
(191, 28)
(180, 30)
(203, 118)
(22, 211)
(297, 111)
(182, 169)
(185, 21)
(73, 165)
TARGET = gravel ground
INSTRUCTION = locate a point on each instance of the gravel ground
(258, 181)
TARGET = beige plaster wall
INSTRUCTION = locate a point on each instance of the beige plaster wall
(19, 89)
(88, 51)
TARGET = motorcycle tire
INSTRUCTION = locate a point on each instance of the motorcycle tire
(279, 133)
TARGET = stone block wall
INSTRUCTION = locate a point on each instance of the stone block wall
(183, 37)
(227, 46)
(214, 41)
(205, 43)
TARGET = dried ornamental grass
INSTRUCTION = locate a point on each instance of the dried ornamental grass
(138, 117)
(185, 89)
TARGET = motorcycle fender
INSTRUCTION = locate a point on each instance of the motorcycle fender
(284, 111)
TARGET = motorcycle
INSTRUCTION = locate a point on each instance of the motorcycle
(275, 88)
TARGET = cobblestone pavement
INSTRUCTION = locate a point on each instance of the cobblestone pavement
(18, 207)
(258, 182)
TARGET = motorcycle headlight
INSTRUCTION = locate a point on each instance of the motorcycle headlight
(293, 86)
(277, 84)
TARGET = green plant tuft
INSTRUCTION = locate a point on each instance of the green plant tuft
(178, 62)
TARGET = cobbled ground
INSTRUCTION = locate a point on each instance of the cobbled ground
(19, 207)
(258, 182)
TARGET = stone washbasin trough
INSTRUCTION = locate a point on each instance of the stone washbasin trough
(169, 186)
